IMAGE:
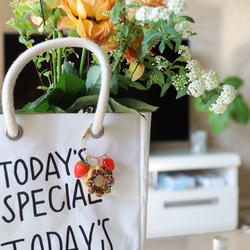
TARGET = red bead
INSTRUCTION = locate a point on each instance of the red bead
(109, 164)
(81, 169)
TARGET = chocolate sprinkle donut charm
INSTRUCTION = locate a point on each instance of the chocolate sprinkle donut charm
(99, 180)
(105, 187)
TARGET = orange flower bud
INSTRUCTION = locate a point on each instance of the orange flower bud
(136, 70)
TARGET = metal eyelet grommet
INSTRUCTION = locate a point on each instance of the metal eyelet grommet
(18, 136)
(98, 135)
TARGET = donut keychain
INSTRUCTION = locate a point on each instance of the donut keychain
(102, 171)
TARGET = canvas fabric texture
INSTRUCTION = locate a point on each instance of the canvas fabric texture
(44, 206)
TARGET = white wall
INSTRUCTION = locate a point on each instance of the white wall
(222, 44)
(5, 14)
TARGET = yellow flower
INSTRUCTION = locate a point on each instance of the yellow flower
(87, 17)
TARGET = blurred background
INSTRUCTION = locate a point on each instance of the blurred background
(222, 44)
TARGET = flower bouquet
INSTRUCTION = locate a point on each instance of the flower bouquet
(129, 32)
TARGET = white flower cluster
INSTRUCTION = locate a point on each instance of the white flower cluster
(226, 97)
(212, 79)
(179, 82)
(153, 78)
(161, 62)
(185, 29)
(228, 94)
(196, 88)
(184, 51)
(219, 107)
(195, 69)
(200, 80)
(152, 13)
(177, 6)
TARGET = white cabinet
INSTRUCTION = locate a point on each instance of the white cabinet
(198, 210)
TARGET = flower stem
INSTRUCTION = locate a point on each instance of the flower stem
(82, 63)
(54, 59)
(47, 37)
(59, 59)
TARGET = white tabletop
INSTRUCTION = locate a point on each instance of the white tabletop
(237, 240)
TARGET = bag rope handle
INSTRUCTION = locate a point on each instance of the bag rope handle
(14, 131)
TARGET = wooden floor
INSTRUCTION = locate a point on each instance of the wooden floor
(236, 240)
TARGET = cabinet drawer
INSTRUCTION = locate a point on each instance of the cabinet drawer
(191, 211)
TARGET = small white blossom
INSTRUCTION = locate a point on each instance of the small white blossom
(135, 5)
(161, 62)
(152, 13)
(184, 51)
(153, 78)
(195, 70)
(212, 79)
(179, 82)
(185, 29)
(219, 107)
(143, 13)
(164, 13)
(177, 6)
(228, 94)
(196, 88)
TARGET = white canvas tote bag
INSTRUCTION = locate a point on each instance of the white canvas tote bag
(42, 204)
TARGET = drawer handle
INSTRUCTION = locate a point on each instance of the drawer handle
(212, 201)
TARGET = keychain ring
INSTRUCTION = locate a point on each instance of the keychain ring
(88, 133)
(104, 167)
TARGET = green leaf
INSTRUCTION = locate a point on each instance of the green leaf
(234, 81)
(149, 35)
(239, 110)
(56, 97)
(162, 46)
(187, 18)
(137, 85)
(160, 76)
(198, 104)
(68, 67)
(181, 93)
(219, 123)
(165, 88)
(114, 84)
(119, 108)
(169, 43)
(122, 80)
(115, 12)
(82, 103)
(74, 86)
(204, 104)
(23, 8)
(138, 105)
(149, 84)
(67, 90)
(40, 105)
(93, 80)
(55, 109)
